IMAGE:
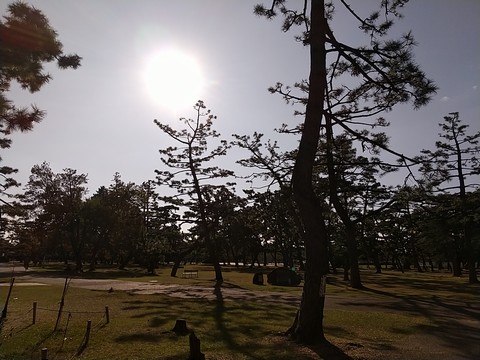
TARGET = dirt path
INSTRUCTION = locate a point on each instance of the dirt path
(453, 332)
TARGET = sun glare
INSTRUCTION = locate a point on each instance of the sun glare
(173, 79)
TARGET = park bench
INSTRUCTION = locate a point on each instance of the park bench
(190, 273)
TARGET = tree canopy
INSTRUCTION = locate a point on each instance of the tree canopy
(27, 43)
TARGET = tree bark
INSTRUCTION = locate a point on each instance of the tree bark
(308, 325)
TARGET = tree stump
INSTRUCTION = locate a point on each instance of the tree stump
(195, 353)
(258, 278)
(180, 327)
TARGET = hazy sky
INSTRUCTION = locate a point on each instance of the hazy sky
(100, 117)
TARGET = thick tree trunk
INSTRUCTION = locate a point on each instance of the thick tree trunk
(308, 325)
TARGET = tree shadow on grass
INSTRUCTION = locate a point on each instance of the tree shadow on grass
(139, 337)
(329, 351)
(220, 322)
(218, 312)
(454, 323)
(39, 344)
(60, 270)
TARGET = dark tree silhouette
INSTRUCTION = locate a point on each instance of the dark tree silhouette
(456, 159)
(347, 86)
(27, 43)
(189, 170)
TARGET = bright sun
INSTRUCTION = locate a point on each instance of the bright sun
(173, 79)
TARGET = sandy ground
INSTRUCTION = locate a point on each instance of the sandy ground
(454, 333)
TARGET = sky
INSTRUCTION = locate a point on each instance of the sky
(100, 117)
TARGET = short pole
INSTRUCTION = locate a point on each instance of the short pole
(195, 353)
(87, 335)
(34, 311)
(4, 311)
(44, 354)
(107, 314)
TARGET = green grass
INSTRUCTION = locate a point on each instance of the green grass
(140, 325)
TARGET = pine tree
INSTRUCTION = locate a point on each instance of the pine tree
(456, 159)
(348, 85)
(188, 170)
(27, 43)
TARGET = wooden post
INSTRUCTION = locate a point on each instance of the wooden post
(34, 311)
(195, 353)
(87, 338)
(87, 335)
(4, 311)
(107, 314)
(62, 303)
(44, 354)
(180, 327)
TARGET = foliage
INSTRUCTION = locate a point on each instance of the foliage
(28, 42)
(348, 86)
(189, 163)
(455, 158)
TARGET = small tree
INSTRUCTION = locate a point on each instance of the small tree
(189, 171)
(456, 158)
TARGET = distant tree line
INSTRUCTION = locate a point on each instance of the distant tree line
(191, 209)
(424, 227)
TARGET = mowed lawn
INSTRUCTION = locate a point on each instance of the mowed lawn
(140, 325)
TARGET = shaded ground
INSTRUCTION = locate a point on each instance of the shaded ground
(453, 332)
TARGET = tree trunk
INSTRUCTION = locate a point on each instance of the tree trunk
(308, 325)
(472, 271)
(331, 258)
(218, 271)
(456, 267)
(472, 275)
(376, 261)
(355, 281)
(78, 265)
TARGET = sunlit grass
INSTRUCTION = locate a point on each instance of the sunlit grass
(140, 325)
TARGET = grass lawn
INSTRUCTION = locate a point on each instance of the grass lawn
(140, 325)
